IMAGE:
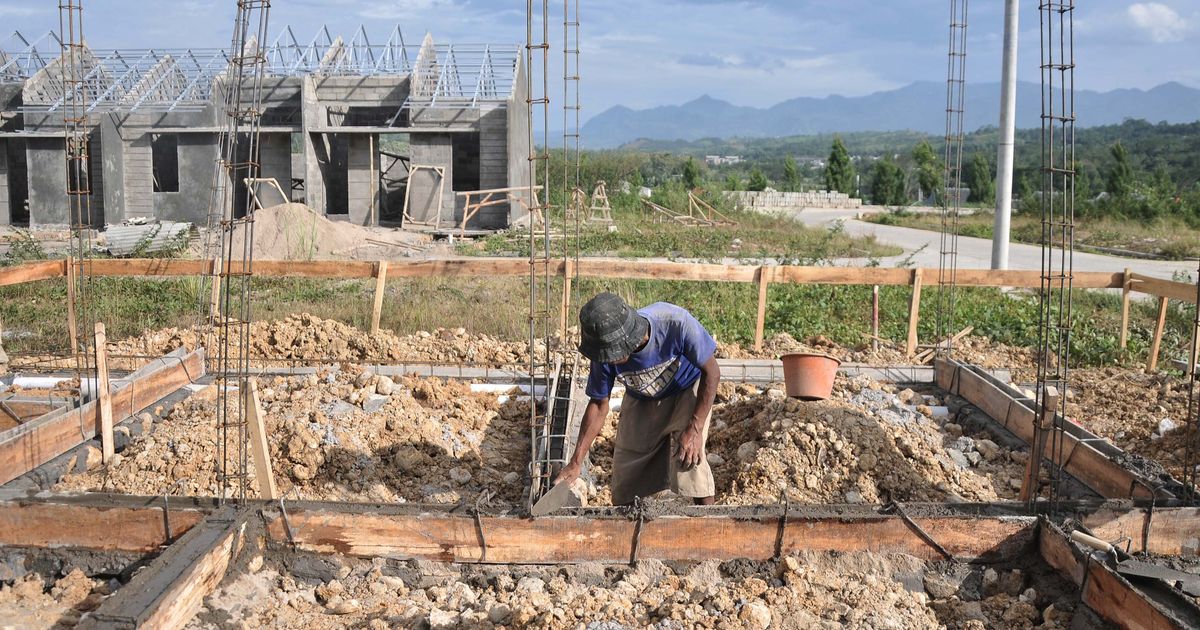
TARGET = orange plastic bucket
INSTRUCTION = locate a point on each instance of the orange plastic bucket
(809, 376)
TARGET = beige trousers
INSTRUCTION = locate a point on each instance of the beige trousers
(644, 461)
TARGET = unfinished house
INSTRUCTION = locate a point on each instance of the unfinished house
(374, 134)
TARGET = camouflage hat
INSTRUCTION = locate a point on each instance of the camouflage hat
(611, 330)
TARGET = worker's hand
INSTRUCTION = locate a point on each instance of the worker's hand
(567, 475)
(690, 448)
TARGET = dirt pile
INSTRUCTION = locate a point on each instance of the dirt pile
(980, 351)
(31, 603)
(293, 231)
(307, 337)
(812, 590)
(343, 435)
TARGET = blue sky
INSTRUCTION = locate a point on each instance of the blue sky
(643, 53)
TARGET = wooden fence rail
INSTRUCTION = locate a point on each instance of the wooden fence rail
(762, 276)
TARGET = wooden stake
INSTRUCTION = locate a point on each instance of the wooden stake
(258, 443)
(72, 322)
(1159, 326)
(914, 314)
(1033, 467)
(875, 318)
(214, 301)
(1126, 288)
(760, 324)
(380, 288)
(104, 395)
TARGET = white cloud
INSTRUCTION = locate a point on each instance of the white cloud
(10, 10)
(1159, 21)
(403, 9)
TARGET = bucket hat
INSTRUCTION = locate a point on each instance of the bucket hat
(610, 329)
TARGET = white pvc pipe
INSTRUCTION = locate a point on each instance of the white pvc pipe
(1008, 125)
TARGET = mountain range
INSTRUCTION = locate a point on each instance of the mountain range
(920, 107)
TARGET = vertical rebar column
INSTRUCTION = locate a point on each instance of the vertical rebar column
(233, 189)
(1190, 472)
(75, 66)
(541, 296)
(956, 83)
(1058, 225)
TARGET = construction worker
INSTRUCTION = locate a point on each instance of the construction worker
(666, 360)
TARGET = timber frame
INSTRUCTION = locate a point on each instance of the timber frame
(192, 544)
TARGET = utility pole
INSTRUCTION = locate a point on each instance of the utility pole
(1008, 124)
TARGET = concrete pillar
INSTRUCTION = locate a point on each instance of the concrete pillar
(139, 176)
(361, 170)
(5, 211)
(316, 147)
(112, 164)
(431, 149)
(1008, 124)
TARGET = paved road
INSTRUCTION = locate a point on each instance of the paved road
(976, 253)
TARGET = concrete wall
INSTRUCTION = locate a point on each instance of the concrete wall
(493, 164)
(197, 162)
(773, 200)
(361, 170)
(518, 140)
(316, 150)
(431, 149)
(47, 182)
(138, 176)
(113, 164)
(5, 212)
(275, 160)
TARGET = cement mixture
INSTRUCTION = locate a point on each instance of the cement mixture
(810, 590)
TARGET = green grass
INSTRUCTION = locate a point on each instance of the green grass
(34, 314)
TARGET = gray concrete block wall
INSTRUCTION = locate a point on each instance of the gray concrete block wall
(363, 91)
(518, 139)
(275, 162)
(47, 182)
(112, 163)
(361, 167)
(429, 149)
(5, 210)
(197, 162)
(138, 177)
(316, 149)
(774, 200)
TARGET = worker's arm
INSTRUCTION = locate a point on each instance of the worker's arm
(593, 421)
(691, 441)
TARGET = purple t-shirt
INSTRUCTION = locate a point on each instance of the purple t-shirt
(668, 364)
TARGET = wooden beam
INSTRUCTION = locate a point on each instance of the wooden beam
(104, 396)
(381, 269)
(1092, 467)
(167, 593)
(1162, 532)
(1126, 289)
(163, 267)
(33, 272)
(1182, 291)
(760, 322)
(1105, 591)
(259, 451)
(914, 313)
(1159, 326)
(1031, 484)
(32, 444)
(141, 529)
(566, 539)
(72, 316)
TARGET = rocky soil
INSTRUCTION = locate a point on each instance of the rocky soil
(31, 603)
(812, 590)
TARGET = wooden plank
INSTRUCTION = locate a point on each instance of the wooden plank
(313, 269)
(1031, 483)
(641, 270)
(1172, 531)
(259, 451)
(381, 269)
(1107, 593)
(24, 409)
(163, 267)
(32, 444)
(104, 396)
(72, 315)
(1159, 326)
(842, 275)
(760, 322)
(110, 528)
(566, 540)
(1126, 288)
(914, 313)
(32, 272)
(1083, 461)
(167, 593)
(1182, 291)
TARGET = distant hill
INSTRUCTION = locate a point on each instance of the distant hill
(918, 107)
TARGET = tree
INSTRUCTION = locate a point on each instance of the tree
(929, 169)
(887, 184)
(839, 171)
(791, 175)
(1120, 177)
(732, 182)
(691, 174)
(758, 181)
(978, 177)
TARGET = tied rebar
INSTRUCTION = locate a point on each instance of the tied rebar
(75, 61)
(956, 83)
(1058, 235)
(231, 233)
(1192, 420)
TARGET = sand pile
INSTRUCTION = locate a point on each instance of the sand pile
(307, 337)
(348, 436)
(293, 231)
(853, 590)
(32, 603)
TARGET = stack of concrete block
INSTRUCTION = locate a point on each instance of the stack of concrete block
(774, 200)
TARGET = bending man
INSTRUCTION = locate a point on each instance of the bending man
(666, 361)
